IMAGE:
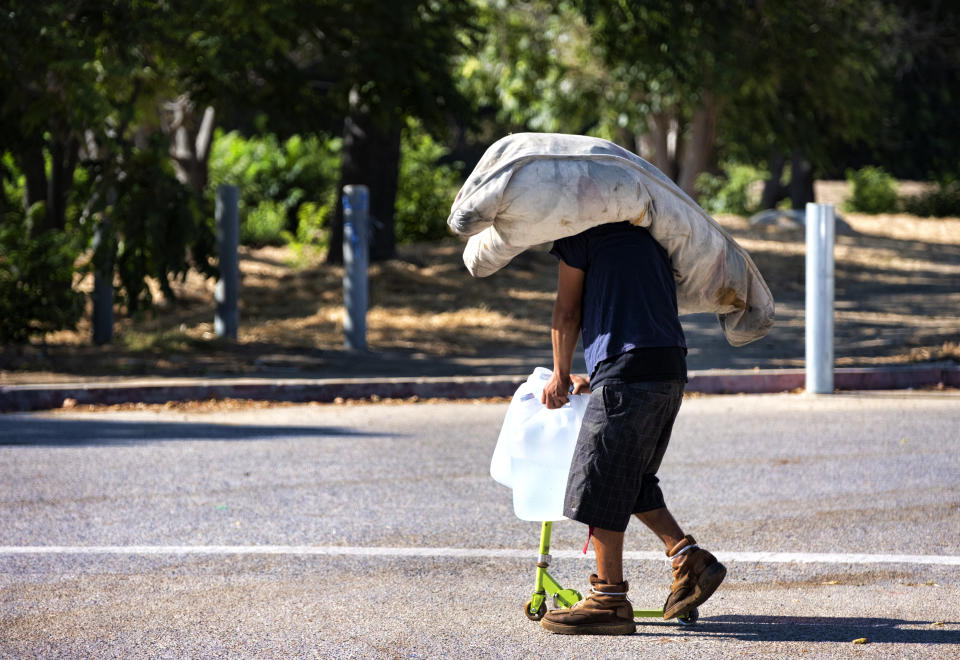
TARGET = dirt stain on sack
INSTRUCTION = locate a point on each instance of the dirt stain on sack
(728, 296)
(638, 221)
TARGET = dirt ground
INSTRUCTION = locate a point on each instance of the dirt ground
(897, 279)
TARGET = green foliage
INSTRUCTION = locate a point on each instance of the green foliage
(873, 191)
(11, 179)
(811, 75)
(426, 187)
(777, 76)
(276, 179)
(536, 67)
(312, 222)
(395, 58)
(161, 229)
(942, 202)
(729, 192)
(670, 53)
(287, 189)
(265, 224)
(920, 133)
(36, 277)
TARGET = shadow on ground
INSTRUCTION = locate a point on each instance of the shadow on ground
(21, 430)
(820, 629)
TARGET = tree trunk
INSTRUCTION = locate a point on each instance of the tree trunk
(63, 162)
(34, 170)
(190, 146)
(657, 146)
(627, 139)
(699, 146)
(773, 189)
(371, 157)
(52, 190)
(801, 181)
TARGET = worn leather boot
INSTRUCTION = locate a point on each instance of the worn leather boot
(696, 575)
(606, 611)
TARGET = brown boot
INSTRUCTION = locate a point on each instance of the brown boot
(606, 611)
(696, 575)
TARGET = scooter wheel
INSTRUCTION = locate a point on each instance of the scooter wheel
(534, 616)
(689, 618)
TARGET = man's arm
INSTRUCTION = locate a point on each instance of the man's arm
(564, 332)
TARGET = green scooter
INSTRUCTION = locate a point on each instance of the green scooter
(547, 585)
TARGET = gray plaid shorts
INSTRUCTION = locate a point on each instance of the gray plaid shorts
(625, 432)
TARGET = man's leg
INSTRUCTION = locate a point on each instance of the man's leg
(608, 546)
(662, 523)
(608, 460)
(606, 610)
(696, 572)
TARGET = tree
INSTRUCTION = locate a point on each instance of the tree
(85, 82)
(49, 97)
(394, 60)
(535, 67)
(919, 134)
(770, 76)
(118, 89)
(676, 64)
(819, 80)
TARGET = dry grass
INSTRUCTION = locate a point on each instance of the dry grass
(426, 301)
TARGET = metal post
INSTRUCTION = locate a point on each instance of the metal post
(356, 257)
(103, 247)
(228, 240)
(819, 298)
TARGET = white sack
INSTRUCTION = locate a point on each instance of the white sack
(534, 188)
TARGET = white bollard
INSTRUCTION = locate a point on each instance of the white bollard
(819, 298)
(356, 257)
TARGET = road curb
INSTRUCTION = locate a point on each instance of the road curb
(757, 381)
(762, 381)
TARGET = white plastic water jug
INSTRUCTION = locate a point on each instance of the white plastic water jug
(534, 450)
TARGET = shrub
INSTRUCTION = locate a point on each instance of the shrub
(265, 224)
(275, 179)
(873, 191)
(426, 187)
(36, 278)
(729, 192)
(943, 202)
(311, 223)
(161, 227)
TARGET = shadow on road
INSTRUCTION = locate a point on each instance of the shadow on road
(27, 431)
(822, 629)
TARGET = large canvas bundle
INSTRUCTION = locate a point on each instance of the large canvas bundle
(533, 188)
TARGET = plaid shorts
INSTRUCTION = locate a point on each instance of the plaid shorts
(626, 430)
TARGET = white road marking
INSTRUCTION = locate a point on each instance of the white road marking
(375, 551)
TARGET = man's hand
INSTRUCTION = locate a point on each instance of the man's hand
(556, 392)
(581, 385)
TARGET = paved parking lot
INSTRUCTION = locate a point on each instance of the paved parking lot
(375, 531)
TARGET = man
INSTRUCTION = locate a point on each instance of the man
(615, 284)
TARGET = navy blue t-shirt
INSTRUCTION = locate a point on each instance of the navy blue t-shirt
(629, 303)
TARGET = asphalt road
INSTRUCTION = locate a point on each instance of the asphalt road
(379, 533)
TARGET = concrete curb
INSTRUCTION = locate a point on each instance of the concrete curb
(760, 381)
(757, 381)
